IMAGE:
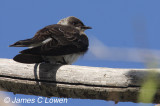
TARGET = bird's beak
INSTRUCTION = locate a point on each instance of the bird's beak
(86, 27)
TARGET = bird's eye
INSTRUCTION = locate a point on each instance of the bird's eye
(74, 23)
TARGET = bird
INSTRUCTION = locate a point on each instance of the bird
(61, 43)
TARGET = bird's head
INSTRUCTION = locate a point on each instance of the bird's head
(75, 22)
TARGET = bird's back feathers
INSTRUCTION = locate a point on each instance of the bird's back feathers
(63, 40)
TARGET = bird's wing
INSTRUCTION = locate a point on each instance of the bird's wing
(58, 40)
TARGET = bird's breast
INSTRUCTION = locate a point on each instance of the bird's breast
(71, 58)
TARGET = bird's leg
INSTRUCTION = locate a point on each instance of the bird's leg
(62, 62)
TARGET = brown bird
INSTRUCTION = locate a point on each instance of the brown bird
(61, 43)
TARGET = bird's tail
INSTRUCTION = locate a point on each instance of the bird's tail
(23, 43)
(28, 58)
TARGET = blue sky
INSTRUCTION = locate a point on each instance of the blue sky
(116, 23)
